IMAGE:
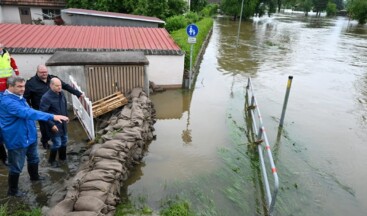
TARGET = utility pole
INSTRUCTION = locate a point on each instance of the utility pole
(239, 24)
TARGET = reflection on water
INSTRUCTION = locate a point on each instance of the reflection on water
(202, 153)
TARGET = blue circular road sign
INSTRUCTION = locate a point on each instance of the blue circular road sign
(192, 30)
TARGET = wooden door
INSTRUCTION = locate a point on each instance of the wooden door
(25, 15)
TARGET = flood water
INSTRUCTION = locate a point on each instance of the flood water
(202, 155)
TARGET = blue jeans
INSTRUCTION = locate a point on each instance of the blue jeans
(16, 158)
(59, 141)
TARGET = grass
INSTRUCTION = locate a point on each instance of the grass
(4, 211)
(180, 37)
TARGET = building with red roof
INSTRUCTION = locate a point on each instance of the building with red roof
(31, 45)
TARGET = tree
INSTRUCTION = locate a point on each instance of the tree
(198, 5)
(306, 6)
(339, 4)
(357, 9)
(176, 7)
(233, 8)
(319, 6)
(331, 9)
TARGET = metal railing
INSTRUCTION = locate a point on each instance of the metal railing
(258, 128)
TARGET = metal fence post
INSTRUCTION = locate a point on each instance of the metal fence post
(290, 78)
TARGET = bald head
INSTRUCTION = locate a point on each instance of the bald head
(55, 85)
(42, 72)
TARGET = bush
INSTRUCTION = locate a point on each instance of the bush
(209, 10)
(331, 9)
(180, 37)
(192, 17)
(176, 22)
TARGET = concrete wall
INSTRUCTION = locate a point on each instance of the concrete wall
(10, 14)
(27, 64)
(78, 19)
(166, 71)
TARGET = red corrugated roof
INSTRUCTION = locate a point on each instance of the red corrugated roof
(46, 38)
(112, 15)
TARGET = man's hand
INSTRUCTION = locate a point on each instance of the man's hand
(54, 129)
(61, 118)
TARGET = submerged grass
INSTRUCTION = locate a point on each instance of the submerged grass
(21, 211)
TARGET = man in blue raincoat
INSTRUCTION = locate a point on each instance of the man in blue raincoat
(18, 127)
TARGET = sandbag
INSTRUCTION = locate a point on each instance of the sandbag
(103, 175)
(95, 185)
(102, 195)
(83, 213)
(62, 208)
(89, 203)
(109, 165)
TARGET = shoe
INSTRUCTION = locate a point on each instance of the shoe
(46, 145)
(55, 164)
(13, 180)
(5, 162)
(33, 173)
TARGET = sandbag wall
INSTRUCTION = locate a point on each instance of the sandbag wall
(95, 189)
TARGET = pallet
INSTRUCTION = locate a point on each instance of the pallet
(108, 104)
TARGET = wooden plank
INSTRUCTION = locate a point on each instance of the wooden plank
(108, 104)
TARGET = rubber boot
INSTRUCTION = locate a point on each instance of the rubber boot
(3, 155)
(13, 180)
(33, 172)
(52, 159)
(62, 153)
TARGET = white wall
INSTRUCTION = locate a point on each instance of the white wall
(27, 63)
(166, 70)
(10, 14)
(1, 14)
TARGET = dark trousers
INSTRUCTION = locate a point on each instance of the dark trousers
(44, 135)
(3, 154)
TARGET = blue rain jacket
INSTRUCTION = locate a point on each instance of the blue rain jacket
(17, 121)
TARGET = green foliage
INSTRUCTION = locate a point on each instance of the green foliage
(357, 10)
(176, 22)
(176, 7)
(180, 38)
(22, 211)
(339, 4)
(177, 208)
(192, 17)
(209, 10)
(319, 5)
(331, 9)
(305, 5)
(198, 5)
(233, 7)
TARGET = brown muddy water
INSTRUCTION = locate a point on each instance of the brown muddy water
(202, 155)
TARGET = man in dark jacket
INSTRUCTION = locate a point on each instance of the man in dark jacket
(17, 123)
(54, 102)
(35, 88)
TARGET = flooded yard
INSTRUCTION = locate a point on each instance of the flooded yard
(202, 155)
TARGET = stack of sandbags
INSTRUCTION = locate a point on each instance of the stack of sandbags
(95, 189)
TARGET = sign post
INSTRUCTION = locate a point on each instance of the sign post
(192, 30)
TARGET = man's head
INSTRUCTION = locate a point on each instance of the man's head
(55, 85)
(16, 85)
(42, 72)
